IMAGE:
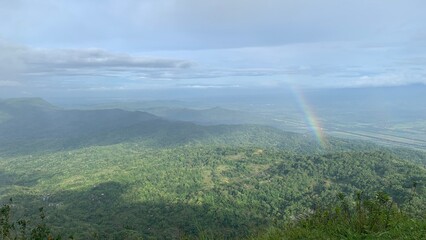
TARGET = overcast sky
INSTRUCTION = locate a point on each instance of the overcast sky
(106, 45)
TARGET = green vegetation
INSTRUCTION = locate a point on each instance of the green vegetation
(112, 174)
(23, 229)
(132, 190)
(374, 218)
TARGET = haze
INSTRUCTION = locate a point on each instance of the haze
(103, 48)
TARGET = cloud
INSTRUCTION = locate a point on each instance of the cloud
(94, 58)
(10, 63)
(4, 83)
(336, 64)
(393, 79)
(209, 86)
(195, 24)
(105, 44)
(79, 68)
(19, 63)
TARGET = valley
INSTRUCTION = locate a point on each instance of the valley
(110, 173)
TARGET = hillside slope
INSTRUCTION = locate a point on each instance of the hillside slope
(130, 189)
(118, 174)
(32, 125)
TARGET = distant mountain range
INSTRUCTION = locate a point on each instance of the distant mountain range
(33, 124)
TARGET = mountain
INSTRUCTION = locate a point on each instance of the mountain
(111, 173)
(210, 116)
(34, 125)
(190, 112)
(25, 103)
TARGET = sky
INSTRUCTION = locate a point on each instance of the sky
(97, 46)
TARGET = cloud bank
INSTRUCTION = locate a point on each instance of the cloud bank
(19, 64)
(193, 24)
(131, 44)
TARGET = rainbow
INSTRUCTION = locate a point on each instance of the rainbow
(311, 118)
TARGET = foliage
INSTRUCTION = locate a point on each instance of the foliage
(361, 218)
(107, 175)
(134, 190)
(23, 229)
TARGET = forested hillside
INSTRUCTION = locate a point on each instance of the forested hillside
(114, 174)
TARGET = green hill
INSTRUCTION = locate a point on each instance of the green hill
(114, 174)
(133, 190)
(30, 129)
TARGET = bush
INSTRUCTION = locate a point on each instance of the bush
(376, 217)
(22, 229)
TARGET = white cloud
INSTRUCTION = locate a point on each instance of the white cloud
(5, 83)
(392, 79)
(195, 24)
(20, 63)
(203, 44)
(94, 58)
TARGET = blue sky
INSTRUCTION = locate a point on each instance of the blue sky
(106, 45)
